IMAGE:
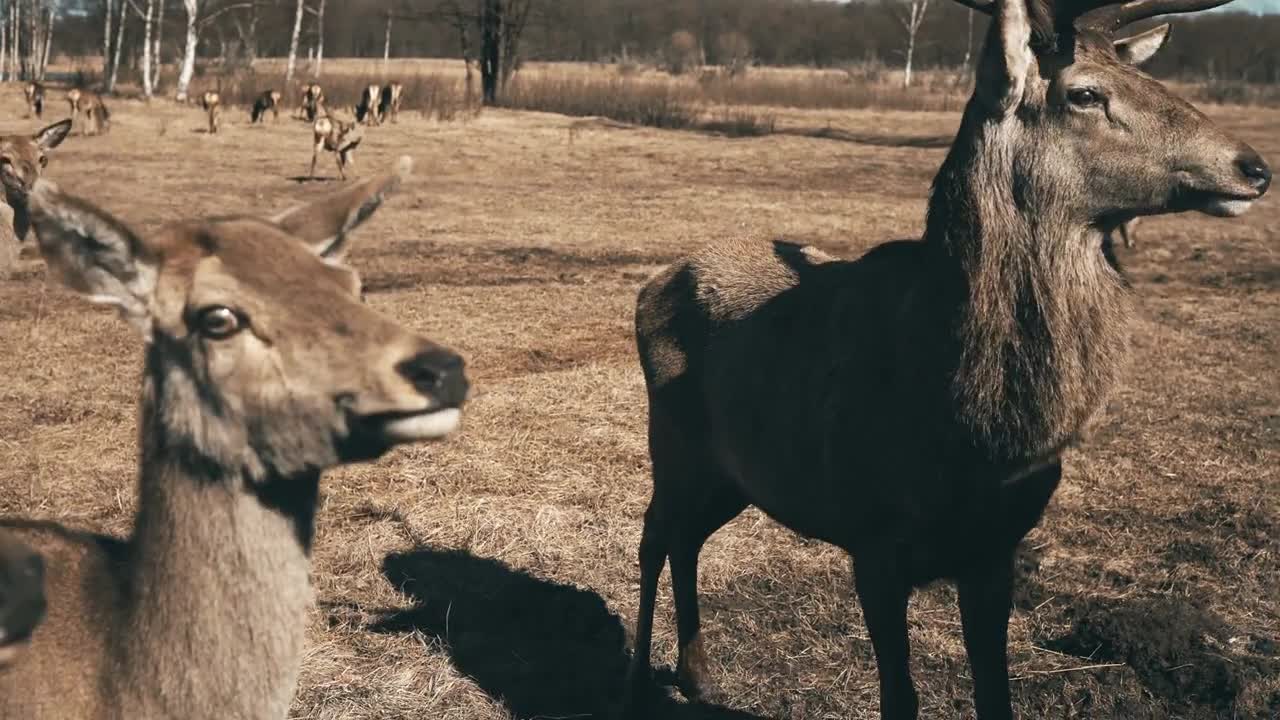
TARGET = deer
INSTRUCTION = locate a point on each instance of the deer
(97, 119)
(211, 103)
(312, 104)
(268, 100)
(340, 137)
(22, 160)
(912, 406)
(263, 368)
(34, 93)
(389, 103)
(367, 111)
(1128, 232)
(22, 601)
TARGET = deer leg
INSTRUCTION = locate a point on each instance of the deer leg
(720, 504)
(342, 164)
(653, 555)
(985, 599)
(884, 594)
(314, 154)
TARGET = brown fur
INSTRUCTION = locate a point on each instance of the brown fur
(268, 100)
(262, 369)
(911, 406)
(389, 103)
(34, 94)
(22, 601)
(24, 159)
(311, 106)
(89, 106)
(340, 137)
(368, 111)
(212, 104)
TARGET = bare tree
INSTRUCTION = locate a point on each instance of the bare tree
(106, 42)
(910, 14)
(115, 58)
(319, 59)
(148, 82)
(155, 53)
(189, 51)
(293, 43)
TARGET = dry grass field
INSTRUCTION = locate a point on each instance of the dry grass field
(495, 575)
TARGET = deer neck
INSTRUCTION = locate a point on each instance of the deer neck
(1042, 321)
(218, 588)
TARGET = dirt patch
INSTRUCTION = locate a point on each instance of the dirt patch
(1177, 650)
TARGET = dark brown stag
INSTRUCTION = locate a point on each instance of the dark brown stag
(912, 406)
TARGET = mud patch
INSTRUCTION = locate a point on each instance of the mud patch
(1177, 650)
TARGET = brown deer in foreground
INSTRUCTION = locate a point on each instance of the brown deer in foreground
(22, 160)
(211, 102)
(340, 137)
(22, 602)
(262, 369)
(912, 406)
(97, 119)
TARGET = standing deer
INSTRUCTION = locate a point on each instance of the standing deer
(367, 110)
(911, 407)
(22, 159)
(22, 602)
(97, 118)
(211, 102)
(312, 104)
(268, 100)
(389, 103)
(338, 137)
(34, 93)
(1128, 232)
(262, 369)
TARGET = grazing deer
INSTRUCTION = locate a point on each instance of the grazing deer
(22, 159)
(212, 104)
(34, 92)
(338, 137)
(262, 369)
(1128, 232)
(389, 103)
(312, 105)
(268, 100)
(97, 119)
(22, 601)
(912, 406)
(367, 110)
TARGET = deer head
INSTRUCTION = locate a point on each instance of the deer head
(22, 159)
(261, 356)
(1107, 141)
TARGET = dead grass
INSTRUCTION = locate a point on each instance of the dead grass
(495, 575)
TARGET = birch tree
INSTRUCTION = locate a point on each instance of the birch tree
(293, 43)
(911, 15)
(189, 50)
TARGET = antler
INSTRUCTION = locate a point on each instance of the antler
(1111, 17)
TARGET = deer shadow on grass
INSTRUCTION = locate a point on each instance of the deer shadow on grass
(542, 648)
(304, 179)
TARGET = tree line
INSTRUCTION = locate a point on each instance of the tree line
(139, 37)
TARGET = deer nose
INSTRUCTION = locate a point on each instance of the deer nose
(438, 373)
(22, 604)
(1255, 171)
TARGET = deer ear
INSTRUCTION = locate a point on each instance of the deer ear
(323, 225)
(93, 253)
(1142, 47)
(1007, 59)
(53, 135)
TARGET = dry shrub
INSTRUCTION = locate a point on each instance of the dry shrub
(681, 52)
(638, 102)
(734, 51)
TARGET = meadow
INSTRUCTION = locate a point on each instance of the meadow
(494, 576)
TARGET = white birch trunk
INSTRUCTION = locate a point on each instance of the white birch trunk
(148, 86)
(293, 45)
(189, 51)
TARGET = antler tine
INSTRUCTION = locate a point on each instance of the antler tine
(986, 7)
(1111, 17)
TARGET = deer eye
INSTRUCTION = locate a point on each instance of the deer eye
(44, 161)
(1084, 97)
(218, 322)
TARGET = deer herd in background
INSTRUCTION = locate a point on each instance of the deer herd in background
(330, 132)
(777, 376)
